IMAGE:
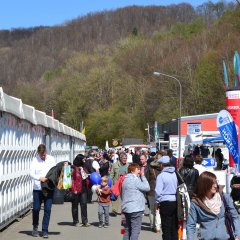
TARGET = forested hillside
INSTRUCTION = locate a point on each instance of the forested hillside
(99, 68)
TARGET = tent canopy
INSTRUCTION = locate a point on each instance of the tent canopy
(213, 140)
(198, 139)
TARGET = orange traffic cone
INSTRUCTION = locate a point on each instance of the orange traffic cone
(180, 230)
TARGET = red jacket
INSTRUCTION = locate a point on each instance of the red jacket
(77, 181)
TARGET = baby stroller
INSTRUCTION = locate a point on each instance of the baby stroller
(235, 193)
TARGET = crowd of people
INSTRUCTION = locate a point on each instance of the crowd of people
(148, 179)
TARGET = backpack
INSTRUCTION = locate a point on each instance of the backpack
(183, 199)
(235, 193)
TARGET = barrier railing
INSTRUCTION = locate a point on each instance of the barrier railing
(22, 129)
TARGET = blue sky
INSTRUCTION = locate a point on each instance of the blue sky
(30, 13)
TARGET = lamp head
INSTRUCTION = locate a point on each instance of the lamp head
(156, 73)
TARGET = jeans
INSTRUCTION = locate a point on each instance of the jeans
(133, 225)
(82, 199)
(168, 213)
(103, 209)
(37, 201)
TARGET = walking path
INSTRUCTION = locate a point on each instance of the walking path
(61, 227)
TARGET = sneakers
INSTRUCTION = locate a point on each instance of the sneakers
(106, 225)
(85, 225)
(237, 203)
(156, 230)
(45, 235)
(35, 232)
(76, 224)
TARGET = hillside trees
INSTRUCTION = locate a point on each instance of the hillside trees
(208, 82)
(35, 51)
(103, 75)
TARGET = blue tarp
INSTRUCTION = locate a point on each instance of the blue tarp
(212, 140)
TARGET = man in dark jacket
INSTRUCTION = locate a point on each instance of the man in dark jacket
(151, 172)
(173, 159)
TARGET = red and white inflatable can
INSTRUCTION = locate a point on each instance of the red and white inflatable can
(233, 107)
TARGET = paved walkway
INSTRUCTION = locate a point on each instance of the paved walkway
(61, 227)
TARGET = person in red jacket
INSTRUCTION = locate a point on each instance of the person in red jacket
(104, 193)
(80, 185)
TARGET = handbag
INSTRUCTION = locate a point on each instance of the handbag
(229, 220)
(58, 196)
(69, 196)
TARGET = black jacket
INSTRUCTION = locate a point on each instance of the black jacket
(53, 178)
(235, 193)
(104, 167)
(190, 177)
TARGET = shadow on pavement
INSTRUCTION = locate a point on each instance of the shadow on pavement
(146, 224)
(26, 232)
(95, 224)
(65, 223)
(29, 233)
(146, 227)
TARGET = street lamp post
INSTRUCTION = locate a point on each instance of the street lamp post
(180, 108)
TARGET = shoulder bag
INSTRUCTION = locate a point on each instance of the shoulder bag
(228, 220)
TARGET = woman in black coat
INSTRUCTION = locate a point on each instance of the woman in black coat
(104, 165)
(189, 174)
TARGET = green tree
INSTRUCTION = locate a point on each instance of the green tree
(208, 86)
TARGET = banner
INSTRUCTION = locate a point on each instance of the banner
(107, 145)
(174, 145)
(225, 74)
(156, 131)
(236, 66)
(83, 131)
(227, 128)
(233, 107)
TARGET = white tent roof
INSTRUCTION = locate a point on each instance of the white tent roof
(16, 107)
(197, 139)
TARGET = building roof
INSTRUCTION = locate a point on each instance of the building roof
(201, 116)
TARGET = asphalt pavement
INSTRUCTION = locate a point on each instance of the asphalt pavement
(61, 227)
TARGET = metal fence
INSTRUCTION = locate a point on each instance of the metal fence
(22, 129)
